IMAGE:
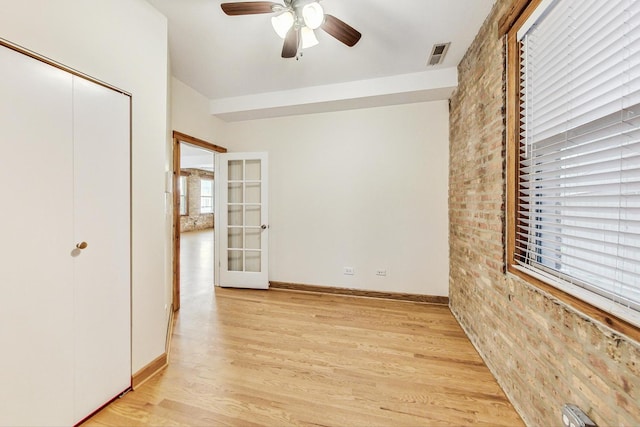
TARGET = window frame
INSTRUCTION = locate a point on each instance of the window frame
(184, 196)
(520, 12)
(203, 179)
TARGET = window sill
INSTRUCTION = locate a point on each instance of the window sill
(583, 307)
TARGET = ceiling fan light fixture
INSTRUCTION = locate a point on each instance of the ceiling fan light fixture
(282, 23)
(295, 21)
(308, 37)
(313, 15)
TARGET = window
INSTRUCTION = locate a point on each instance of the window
(183, 194)
(574, 154)
(206, 196)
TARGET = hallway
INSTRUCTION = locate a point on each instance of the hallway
(196, 267)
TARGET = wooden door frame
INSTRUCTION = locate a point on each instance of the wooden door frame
(179, 137)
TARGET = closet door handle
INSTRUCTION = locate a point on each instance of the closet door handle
(82, 245)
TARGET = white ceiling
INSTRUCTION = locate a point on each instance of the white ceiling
(235, 60)
(192, 157)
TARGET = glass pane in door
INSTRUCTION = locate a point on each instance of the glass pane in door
(235, 237)
(236, 192)
(253, 192)
(236, 170)
(235, 213)
(253, 170)
(244, 209)
(253, 238)
(253, 259)
(253, 215)
(235, 261)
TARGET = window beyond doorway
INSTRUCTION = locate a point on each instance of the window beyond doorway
(206, 196)
(183, 194)
(196, 217)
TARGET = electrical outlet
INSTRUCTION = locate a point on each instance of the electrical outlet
(348, 271)
(381, 272)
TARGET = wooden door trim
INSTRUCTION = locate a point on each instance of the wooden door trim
(182, 137)
(179, 137)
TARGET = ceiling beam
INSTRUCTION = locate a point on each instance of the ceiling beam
(425, 86)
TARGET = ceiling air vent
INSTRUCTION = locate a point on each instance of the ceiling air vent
(438, 52)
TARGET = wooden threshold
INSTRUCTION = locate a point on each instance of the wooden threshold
(398, 296)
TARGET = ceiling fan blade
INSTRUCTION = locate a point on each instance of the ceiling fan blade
(248, 7)
(290, 48)
(340, 30)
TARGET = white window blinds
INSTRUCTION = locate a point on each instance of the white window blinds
(579, 171)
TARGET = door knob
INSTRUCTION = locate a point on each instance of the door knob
(82, 245)
(263, 226)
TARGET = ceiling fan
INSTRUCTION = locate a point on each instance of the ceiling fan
(296, 21)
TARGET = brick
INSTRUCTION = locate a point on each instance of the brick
(543, 353)
(632, 360)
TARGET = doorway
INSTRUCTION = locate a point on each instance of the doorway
(193, 202)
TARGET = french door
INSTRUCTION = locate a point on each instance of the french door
(242, 226)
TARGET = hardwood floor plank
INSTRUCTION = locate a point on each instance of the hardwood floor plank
(272, 358)
(282, 358)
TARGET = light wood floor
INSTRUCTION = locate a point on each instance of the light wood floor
(280, 358)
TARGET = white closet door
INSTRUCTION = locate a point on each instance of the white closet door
(102, 269)
(36, 231)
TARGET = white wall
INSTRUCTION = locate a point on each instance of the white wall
(190, 113)
(124, 43)
(364, 188)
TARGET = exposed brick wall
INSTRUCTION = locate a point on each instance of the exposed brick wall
(194, 220)
(543, 352)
